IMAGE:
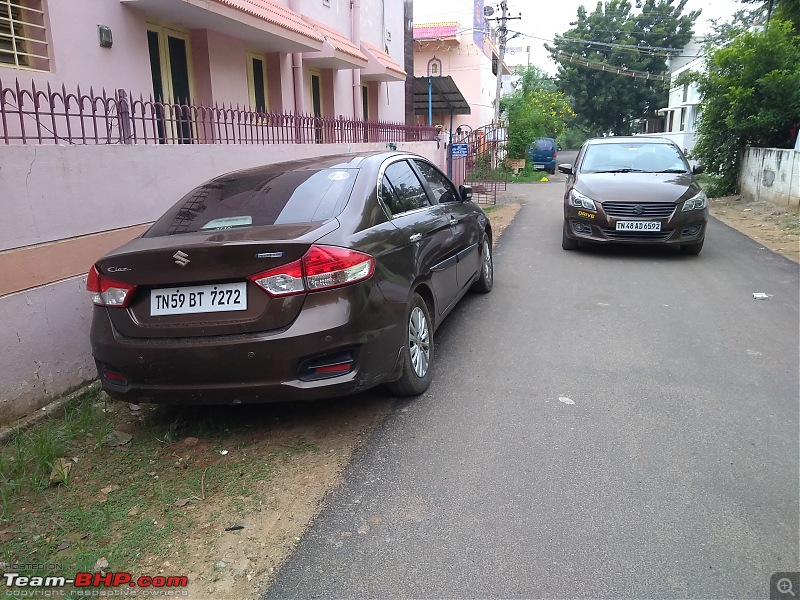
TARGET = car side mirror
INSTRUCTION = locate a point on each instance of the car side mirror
(566, 168)
(697, 169)
(466, 192)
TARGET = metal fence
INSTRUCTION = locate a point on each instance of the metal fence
(480, 161)
(43, 116)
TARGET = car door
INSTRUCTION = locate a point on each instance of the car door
(463, 219)
(425, 229)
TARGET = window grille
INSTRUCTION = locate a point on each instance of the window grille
(23, 37)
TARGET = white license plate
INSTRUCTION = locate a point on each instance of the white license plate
(198, 299)
(638, 226)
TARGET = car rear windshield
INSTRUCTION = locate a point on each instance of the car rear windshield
(255, 198)
(633, 157)
(544, 144)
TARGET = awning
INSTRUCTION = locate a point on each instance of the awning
(265, 25)
(445, 97)
(338, 51)
(381, 67)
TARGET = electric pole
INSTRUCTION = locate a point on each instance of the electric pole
(502, 31)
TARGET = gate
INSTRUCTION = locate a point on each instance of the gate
(477, 158)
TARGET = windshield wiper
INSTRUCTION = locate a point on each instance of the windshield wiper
(625, 170)
(672, 171)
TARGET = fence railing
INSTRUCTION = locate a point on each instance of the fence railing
(43, 116)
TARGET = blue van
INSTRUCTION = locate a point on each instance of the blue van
(542, 154)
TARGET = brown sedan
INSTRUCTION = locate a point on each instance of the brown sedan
(299, 280)
(636, 190)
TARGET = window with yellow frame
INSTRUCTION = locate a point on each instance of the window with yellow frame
(257, 85)
(23, 36)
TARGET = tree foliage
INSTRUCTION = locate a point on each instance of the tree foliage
(613, 34)
(751, 97)
(536, 108)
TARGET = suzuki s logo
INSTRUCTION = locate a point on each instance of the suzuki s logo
(181, 258)
(638, 209)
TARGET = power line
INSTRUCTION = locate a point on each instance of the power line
(571, 58)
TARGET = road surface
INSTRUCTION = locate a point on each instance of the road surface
(614, 422)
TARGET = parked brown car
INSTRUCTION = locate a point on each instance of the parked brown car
(300, 280)
(633, 190)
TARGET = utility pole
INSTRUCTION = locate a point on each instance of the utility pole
(503, 33)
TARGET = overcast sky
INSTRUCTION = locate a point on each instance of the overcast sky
(541, 20)
(556, 20)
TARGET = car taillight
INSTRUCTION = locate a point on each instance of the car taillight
(108, 292)
(281, 281)
(322, 267)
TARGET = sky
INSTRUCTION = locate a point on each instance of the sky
(556, 20)
(541, 20)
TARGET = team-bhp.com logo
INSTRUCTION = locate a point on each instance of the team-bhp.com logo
(95, 580)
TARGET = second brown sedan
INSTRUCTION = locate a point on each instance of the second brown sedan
(633, 190)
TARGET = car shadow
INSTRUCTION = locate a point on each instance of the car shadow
(633, 251)
(263, 420)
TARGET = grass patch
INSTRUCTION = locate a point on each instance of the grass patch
(132, 502)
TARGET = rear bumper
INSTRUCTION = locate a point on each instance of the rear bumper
(257, 367)
(548, 165)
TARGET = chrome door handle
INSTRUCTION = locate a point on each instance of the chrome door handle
(415, 238)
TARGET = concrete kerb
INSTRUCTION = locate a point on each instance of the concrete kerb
(26, 422)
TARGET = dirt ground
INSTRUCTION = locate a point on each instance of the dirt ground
(777, 228)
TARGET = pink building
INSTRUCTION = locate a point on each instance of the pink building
(466, 54)
(268, 54)
(73, 186)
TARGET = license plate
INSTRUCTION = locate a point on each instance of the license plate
(198, 299)
(638, 225)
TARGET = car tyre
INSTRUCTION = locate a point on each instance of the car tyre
(486, 279)
(567, 243)
(417, 351)
(692, 248)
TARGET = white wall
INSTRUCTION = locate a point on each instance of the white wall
(49, 193)
(772, 175)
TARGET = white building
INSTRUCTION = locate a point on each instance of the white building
(678, 121)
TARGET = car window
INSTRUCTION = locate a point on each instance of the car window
(408, 193)
(257, 198)
(443, 190)
(544, 144)
(647, 157)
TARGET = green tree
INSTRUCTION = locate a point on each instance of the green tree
(536, 108)
(616, 36)
(751, 97)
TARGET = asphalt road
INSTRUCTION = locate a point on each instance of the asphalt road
(615, 423)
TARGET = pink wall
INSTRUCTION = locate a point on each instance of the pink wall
(228, 60)
(78, 59)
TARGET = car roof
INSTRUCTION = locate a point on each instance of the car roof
(355, 160)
